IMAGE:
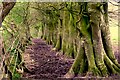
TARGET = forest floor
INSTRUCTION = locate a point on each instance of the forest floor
(44, 62)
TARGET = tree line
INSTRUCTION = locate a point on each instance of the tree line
(79, 29)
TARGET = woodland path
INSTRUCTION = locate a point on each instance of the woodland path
(45, 63)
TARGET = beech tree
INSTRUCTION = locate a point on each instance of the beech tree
(96, 57)
(82, 32)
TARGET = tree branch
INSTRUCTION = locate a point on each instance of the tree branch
(7, 6)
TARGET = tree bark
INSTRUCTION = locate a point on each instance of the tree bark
(4, 10)
(7, 6)
(85, 37)
(97, 44)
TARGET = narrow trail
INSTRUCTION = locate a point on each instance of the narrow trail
(45, 63)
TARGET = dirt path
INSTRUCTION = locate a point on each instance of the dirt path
(44, 62)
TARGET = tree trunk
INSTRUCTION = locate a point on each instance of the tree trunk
(97, 45)
(85, 37)
(5, 8)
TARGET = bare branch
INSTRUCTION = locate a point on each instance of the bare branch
(7, 6)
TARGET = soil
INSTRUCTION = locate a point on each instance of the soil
(44, 62)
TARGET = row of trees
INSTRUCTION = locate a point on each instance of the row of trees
(78, 29)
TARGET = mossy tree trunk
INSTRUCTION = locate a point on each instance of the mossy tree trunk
(82, 32)
(95, 45)
(27, 23)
